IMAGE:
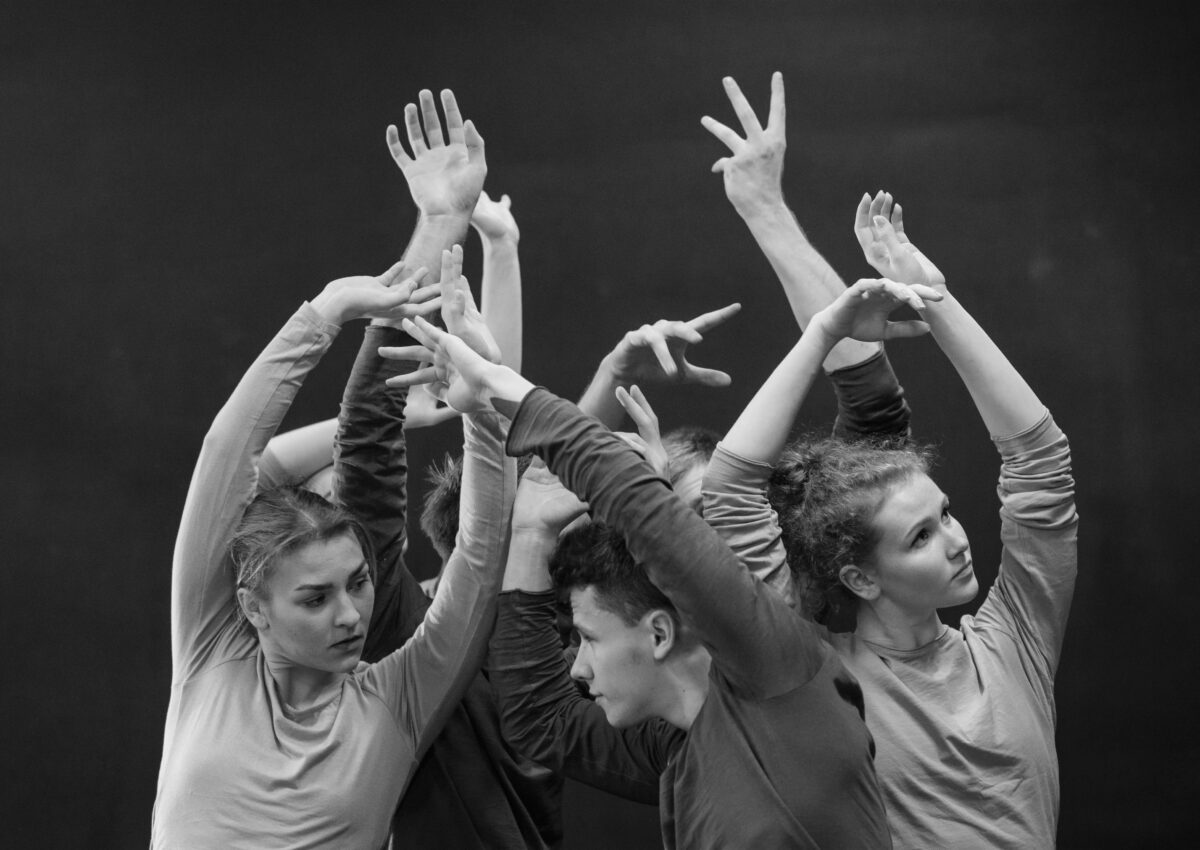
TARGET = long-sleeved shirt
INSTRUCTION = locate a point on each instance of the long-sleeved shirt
(964, 726)
(240, 767)
(778, 754)
(470, 790)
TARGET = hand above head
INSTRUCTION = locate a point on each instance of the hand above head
(658, 352)
(456, 373)
(391, 295)
(424, 411)
(543, 504)
(861, 312)
(648, 440)
(459, 312)
(754, 171)
(879, 226)
(494, 219)
(445, 172)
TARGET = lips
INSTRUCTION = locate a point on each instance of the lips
(350, 643)
(965, 571)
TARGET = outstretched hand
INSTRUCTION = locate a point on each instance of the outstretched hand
(494, 219)
(879, 226)
(390, 295)
(657, 353)
(861, 312)
(754, 172)
(445, 173)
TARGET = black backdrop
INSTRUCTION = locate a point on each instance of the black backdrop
(175, 182)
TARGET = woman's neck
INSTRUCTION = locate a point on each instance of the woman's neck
(299, 687)
(886, 625)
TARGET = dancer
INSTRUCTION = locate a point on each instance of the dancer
(761, 743)
(963, 719)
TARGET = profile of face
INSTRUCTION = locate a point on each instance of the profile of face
(617, 661)
(922, 560)
(314, 607)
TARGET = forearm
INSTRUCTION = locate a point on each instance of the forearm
(545, 718)
(1005, 401)
(809, 282)
(432, 235)
(761, 431)
(296, 455)
(870, 401)
(750, 631)
(371, 480)
(600, 399)
(501, 297)
(457, 625)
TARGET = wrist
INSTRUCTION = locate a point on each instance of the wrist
(506, 241)
(503, 384)
(763, 208)
(330, 306)
(820, 334)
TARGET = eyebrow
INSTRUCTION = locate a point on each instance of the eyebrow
(361, 569)
(942, 505)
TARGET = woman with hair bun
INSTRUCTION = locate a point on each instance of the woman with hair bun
(963, 719)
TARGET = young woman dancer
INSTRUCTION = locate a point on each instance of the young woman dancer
(963, 719)
(276, 734)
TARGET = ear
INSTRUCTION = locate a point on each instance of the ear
(663, 631)
(859, 582)
(253, 609)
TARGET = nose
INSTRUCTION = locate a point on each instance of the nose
(347, 615)
(580, 668)
(956, 540)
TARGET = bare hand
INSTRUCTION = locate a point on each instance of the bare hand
(386, 296)
(445, 173)
(456, 373)
(543, 504)
(424, 411)
(459, 312)
(879, 226)
(648, 440)
(494, 219)
(861, 312)
(657, 352)
(754, 172)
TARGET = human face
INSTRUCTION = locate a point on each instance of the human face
(615, 660)
(318, 604)
(922, 561)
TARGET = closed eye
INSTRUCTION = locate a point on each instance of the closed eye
(314, 602)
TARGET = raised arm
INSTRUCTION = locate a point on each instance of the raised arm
(753, 175)
(654, 353)
(500, 295)
(203, 604)
(1005, 401)
(543, 714)
(756, 640)
(428, 675)
(1032, 594)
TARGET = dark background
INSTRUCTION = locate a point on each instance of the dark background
(176, 182)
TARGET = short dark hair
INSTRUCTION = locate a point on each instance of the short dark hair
(688, 446)
(827, 493)
(594, 555)
(439, 510)
(282, 520)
